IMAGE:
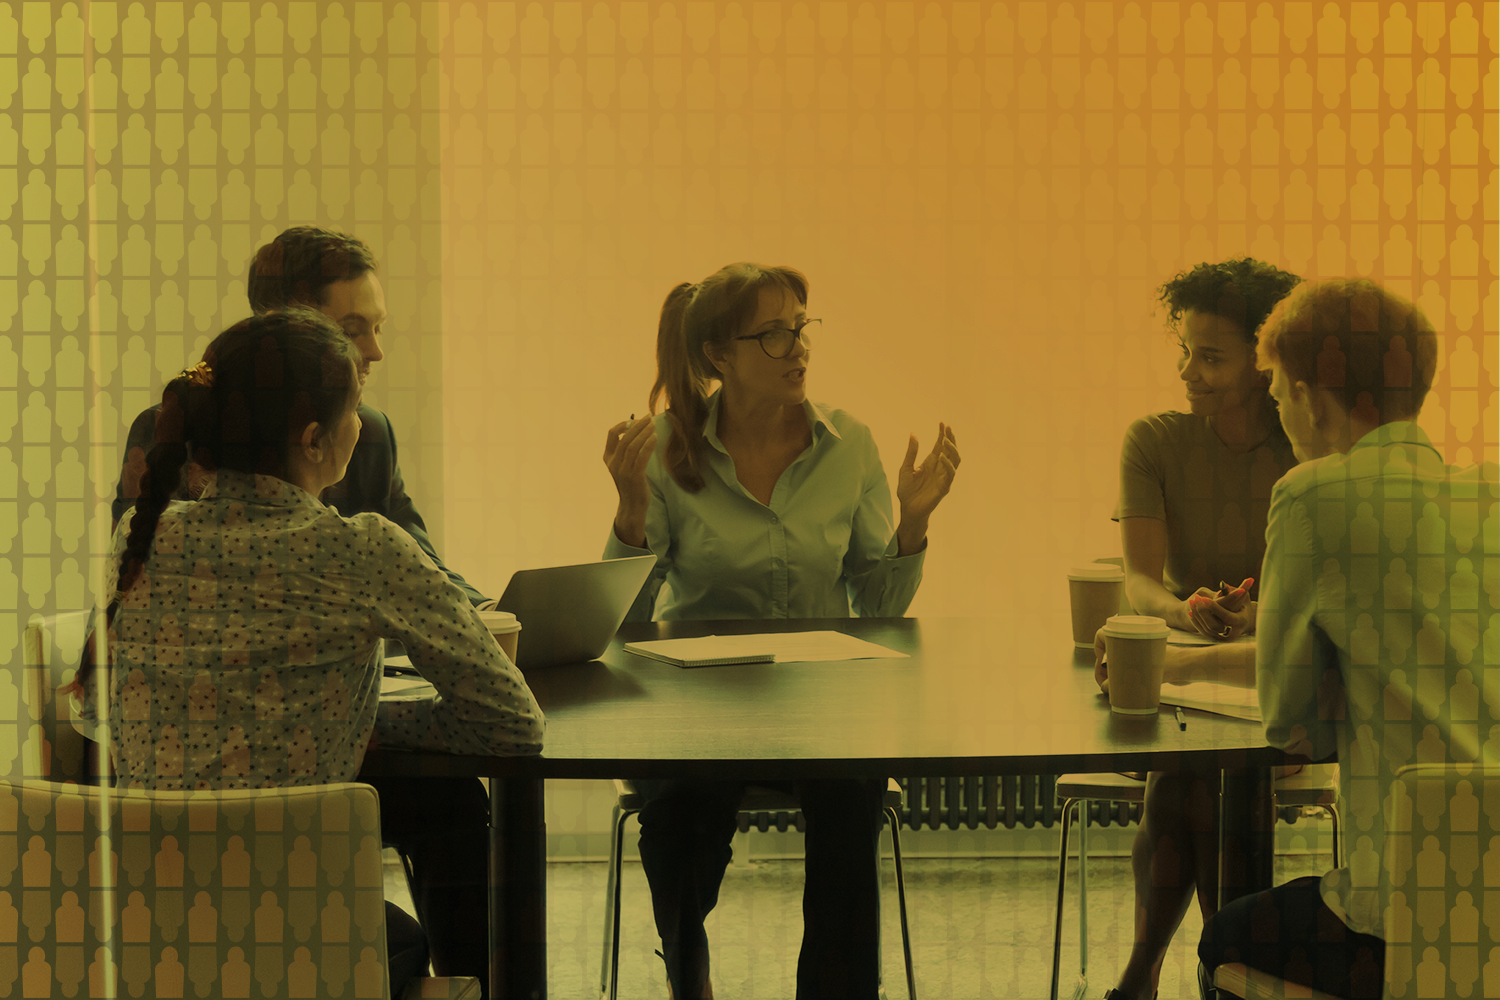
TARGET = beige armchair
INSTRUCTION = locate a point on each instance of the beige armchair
(267, 893)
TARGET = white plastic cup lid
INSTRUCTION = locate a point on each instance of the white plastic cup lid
(1102, 572)
(1136, 627)
(499, 621)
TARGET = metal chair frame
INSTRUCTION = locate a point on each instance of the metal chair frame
(758, 802)
(1299, 793)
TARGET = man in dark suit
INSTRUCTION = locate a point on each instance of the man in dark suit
(440, 825)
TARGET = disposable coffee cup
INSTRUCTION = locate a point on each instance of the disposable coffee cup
(1095, 593)
(506, 630)
(1136, 649)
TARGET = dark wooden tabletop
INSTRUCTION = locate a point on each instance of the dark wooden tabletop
(975, 697)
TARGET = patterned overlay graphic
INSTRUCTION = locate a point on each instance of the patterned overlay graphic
(986, 192)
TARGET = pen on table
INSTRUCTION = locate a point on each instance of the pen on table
(1181, 722)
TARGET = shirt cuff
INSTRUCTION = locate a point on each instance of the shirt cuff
(616, 549)
(894, 547)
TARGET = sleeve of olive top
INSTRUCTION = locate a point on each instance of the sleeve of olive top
(483, 705)
(1141, 473)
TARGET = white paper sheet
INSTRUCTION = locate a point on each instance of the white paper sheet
(788, 647)
(402, 685)
(805, 647)
(1221, 699)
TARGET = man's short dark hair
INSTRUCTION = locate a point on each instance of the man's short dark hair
(297, 267)
(1244, 291)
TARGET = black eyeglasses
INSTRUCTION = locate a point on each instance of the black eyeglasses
(777, 342)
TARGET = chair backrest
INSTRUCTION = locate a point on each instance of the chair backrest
(50, 748)
(1441, 821)
(267, 892)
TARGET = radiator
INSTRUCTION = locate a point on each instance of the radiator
(990, 801)
(993, 801)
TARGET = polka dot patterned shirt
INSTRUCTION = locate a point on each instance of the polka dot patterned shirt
(247, 654)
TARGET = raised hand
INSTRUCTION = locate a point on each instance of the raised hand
(920, 488)
(627, 449)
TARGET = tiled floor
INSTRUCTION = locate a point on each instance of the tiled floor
(981, 927)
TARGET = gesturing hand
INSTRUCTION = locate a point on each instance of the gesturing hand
(627, 448)
(1223, 617)
(919, 489)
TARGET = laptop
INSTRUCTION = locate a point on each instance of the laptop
(568, 614)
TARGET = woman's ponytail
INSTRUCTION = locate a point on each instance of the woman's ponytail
(685, 389)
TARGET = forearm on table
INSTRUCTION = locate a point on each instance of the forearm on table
(1231, 664)
(1149, 597)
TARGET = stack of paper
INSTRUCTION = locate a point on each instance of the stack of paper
(1221, 699)
(782, 647)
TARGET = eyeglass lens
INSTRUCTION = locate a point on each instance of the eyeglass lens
(778, 342)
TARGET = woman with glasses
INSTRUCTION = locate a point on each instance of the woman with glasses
(759, 503)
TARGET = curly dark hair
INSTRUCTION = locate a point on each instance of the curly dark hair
(297, 267)
(1243, 291)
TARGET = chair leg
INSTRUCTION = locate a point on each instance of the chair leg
(1333, 814)
(895, 824)
(1083, 899)
(610, 964)
(610, 875)
(1062, 875)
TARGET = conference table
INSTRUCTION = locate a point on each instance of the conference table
(973, 697)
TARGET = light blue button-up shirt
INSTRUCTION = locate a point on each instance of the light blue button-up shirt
(825, 543)
(1378, 631)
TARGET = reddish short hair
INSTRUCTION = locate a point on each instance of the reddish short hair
(1354, 338)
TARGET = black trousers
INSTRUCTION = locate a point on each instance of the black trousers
(405, 948)
(686, 830)
(1289, 932)
(441, 826)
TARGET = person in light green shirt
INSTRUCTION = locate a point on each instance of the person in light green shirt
(1379, 630)
(761, 504)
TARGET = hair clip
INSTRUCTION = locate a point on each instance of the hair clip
(199, 374)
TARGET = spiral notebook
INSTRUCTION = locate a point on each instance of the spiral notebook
(704, 651)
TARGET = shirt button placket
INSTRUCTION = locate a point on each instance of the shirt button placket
(779, 582)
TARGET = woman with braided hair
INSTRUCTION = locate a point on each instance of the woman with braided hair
(261, 610)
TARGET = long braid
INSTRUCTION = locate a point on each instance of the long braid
(158, 485)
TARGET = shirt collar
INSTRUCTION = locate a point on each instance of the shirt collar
(817, 418)
(266, 491)
(1396, 432)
